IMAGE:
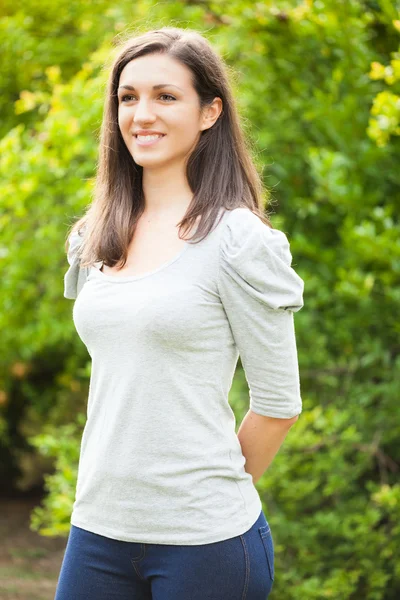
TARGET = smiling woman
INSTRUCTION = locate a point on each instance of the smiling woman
(166, 507)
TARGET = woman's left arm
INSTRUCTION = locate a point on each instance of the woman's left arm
(260, 292)
(260, 438)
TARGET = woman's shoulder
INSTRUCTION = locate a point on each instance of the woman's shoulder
(74, 243)
(75, 277)
(257, 258)
(246, 234)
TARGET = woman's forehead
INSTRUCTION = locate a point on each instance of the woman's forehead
(153, 70)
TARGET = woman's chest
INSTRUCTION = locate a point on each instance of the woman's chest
(165, 310)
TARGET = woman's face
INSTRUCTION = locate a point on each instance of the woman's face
(172, 109)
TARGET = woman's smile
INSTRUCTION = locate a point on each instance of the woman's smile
(148, 140)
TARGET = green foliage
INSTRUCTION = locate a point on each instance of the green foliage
(385, 119)
(53, 517)
(42, 36)
(318, 88)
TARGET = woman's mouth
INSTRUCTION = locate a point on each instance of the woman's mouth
(148, 140)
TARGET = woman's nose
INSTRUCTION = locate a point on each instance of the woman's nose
(143, 112)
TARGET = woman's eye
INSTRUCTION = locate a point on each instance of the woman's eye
(124, 98)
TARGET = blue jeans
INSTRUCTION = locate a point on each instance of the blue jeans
(95, 567)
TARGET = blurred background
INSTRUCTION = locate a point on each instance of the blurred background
(317, 84)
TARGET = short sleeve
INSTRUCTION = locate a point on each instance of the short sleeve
(260, 291)
(75, 277)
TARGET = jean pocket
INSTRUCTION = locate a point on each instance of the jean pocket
(268, 544)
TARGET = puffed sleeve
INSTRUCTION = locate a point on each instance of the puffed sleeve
(75, 277)
(260, 291)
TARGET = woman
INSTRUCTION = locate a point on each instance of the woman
(166, 507)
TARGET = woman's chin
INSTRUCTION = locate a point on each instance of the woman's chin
(148, 161)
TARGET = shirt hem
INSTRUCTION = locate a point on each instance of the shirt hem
(254, 513)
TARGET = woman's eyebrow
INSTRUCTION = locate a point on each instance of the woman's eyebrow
(155, 87)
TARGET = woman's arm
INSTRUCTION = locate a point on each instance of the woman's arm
(260, 438)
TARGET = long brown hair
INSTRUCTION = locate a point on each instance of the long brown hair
(220, 171)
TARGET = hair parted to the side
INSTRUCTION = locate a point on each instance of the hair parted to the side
(220, 171)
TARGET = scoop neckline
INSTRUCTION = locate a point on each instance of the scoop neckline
(123, 279)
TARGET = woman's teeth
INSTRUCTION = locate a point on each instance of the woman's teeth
(148, 137)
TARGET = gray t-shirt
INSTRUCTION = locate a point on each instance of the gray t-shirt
(160, 460)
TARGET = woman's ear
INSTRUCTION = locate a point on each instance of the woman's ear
(211, 113)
